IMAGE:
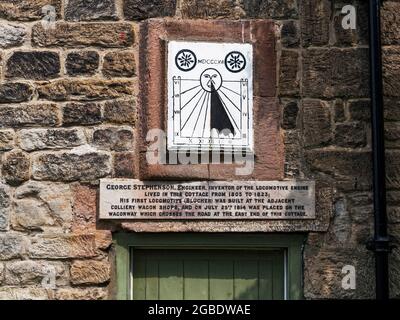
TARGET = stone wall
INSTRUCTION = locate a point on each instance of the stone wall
(68, 117)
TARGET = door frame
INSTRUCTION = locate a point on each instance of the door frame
(292, 245)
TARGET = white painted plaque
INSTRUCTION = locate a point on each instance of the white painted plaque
(210, 95)
(134, 199)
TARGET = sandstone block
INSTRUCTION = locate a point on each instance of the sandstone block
(336, 73)
(15, 167)
(82, 63)
(350, 135)
(88, 10)
(315, 22)
(81, 294)
(84, 165)
(11, 35)
(120, 111)
(124, 164)
(62, 246)
(39, 139)
(5, 207)
(108, 35)
(43, 114)
(35, 65)
(316, 123)
(113, 138)
(6, 140)
(288, 74)
(11, 246)
(142, 9)
(85, 89)
(119, 64)
(90, 272)
(28, 272)
(270, 9)
(14, 92)
(42, 206)
(26, 10)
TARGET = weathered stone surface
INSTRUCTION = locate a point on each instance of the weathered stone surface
(78, 10)
(350, 135)
(1, 272)
(103, 239)
(42, 206)
(5, 207)
(14, 92)
(11, 35)
(113, 138)
(351, 170)
(124, 165)
(323, 272)
(90, 272)
(82, 63)
(288, 76)
(83, 89)
(221, 9)
(43, 114)
(110, 35)
(267, 9)
(316, 123)
(39, 139)
(62, 246)
(393, 169)
(143, 9)
(336, 73)
(6, 140)
(290, 34)
(360, 110)
(391, 71)
(15, 167)
(289, 118)
(394, 272)
(11, 246)
(75, 165)
(81, 114)
(338, 109)
(35, 65)
(25, 10)
(84, 207)
(392, 109)
(81, 294)
(119, 64)
(390, 21)
(293, 154)
(392, 135)
(120, 111)
(14, 293)
(315, 22)
(32, 272)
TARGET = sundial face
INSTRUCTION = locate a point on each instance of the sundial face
(210, 95)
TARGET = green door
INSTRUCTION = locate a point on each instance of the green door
(176, 274)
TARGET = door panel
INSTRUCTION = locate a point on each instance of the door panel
(207, 274)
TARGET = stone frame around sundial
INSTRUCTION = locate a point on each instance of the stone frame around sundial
(154, 38)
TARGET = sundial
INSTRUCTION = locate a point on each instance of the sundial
(210, 95)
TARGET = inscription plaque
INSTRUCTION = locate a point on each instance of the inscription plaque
(134, 199)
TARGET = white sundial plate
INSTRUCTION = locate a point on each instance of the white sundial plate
(210, 95)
